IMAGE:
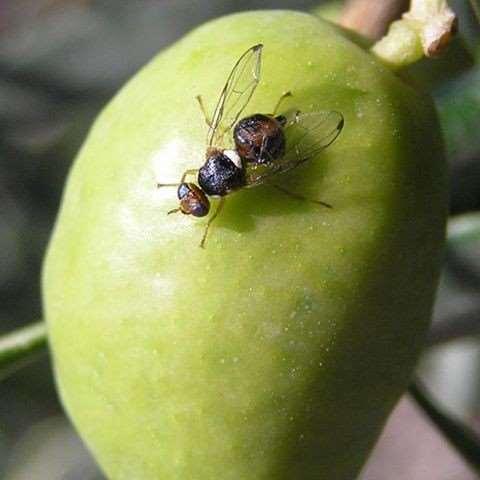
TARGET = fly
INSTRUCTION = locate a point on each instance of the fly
(264, 145)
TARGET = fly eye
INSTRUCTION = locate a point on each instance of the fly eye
(183, 190)
(199, 208)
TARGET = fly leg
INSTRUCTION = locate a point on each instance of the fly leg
(215, 214)
(191, 171)
(208, 121)
(280, 101)
(301, 197)
(175, 210)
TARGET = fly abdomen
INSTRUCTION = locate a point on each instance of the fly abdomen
(219, 175)
(259, 138)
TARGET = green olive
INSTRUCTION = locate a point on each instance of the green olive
(278, 351)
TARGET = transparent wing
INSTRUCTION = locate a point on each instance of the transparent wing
(310, 133)
(236, 94)
(307, 134)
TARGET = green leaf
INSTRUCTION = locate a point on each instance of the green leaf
(21, 347)
(464, 229)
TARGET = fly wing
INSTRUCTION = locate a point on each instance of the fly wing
(236, 94)
(307, 134)
(310, 133)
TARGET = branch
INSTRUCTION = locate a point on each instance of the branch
(465, 441)
(371, 18)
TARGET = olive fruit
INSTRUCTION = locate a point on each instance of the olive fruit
(278, 351)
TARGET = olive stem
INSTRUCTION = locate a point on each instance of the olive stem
(21, 347)
(424, 31)
(371, 18)
(465, 440)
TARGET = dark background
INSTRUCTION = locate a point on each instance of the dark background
(60, 62)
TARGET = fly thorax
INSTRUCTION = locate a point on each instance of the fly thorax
(221, 173)
(234, 157)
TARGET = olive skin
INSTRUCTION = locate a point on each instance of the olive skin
(278, 351)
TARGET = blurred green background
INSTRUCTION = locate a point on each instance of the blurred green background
(60, 62)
